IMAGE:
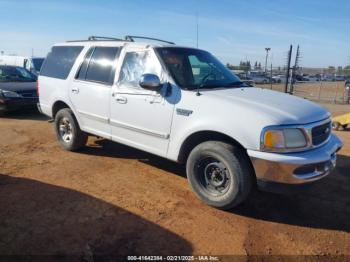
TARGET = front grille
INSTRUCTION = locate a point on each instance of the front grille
(321, 133)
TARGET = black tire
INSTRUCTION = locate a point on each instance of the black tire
(344, 126)
(220, 174)
(68, 132)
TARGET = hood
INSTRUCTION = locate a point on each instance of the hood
(280, 108)
(18, 86)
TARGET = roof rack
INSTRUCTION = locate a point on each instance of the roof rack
(97, 38)
(128, 38)
(131, 38)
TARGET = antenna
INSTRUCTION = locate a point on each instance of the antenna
(197, 28)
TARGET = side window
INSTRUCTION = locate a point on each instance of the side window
(82, 70)
(60, 61)
(101, 65)
(135, 65)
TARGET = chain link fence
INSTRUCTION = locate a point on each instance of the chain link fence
(313, 84)
(319, 91)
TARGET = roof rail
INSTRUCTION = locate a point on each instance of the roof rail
(102, 38)
(98, 38)
(131, 38)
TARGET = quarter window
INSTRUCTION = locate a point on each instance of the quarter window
(60, 61)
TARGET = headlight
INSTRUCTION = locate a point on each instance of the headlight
(283, 139)
(10, 94)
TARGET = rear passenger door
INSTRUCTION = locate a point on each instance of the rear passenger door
(90, 91)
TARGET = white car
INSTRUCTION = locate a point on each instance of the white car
(32, 64)
(279, 79)
(311, 78)
(184, 105)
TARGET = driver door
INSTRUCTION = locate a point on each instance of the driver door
(140, 118)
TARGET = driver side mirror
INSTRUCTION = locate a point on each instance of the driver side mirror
(150, 82)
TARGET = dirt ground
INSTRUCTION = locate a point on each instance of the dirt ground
(111, 199)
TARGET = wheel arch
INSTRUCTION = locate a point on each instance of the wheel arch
(202, 136)
(57, 106)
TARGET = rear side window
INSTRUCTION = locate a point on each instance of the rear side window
(60, 61)
(99, 65)
(82, 71)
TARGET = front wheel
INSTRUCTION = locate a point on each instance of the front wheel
(68, 132)
(220, 174)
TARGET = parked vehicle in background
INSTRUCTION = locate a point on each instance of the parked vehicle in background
(328, 78)
(32, 64)
(259, 79)
(311, 78)
(279, 79)
(17, 89)
(244, 78)
(339, 78)
(301, 78)
(347, 83)
(184, 105)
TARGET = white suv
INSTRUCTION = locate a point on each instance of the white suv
(183, 104)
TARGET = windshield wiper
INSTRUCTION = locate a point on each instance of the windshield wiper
(236, 84)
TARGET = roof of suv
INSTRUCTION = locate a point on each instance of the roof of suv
(106, 41)
(112, 43)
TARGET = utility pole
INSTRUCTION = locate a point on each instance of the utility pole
(288, 68)
(295, 67)
(271, 77)
(267, 49)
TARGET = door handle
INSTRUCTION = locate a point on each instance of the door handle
(75, 90)
(121, 99)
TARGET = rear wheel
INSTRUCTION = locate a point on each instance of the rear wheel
(68, 132)
(220, 174)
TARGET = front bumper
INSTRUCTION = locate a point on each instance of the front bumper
(296, 168)
(17, 103)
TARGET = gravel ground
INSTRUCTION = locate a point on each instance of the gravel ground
(111, 199)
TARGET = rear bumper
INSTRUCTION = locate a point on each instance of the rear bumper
(296, 168)
(17, 103)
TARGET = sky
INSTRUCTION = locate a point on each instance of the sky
(232, 30)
